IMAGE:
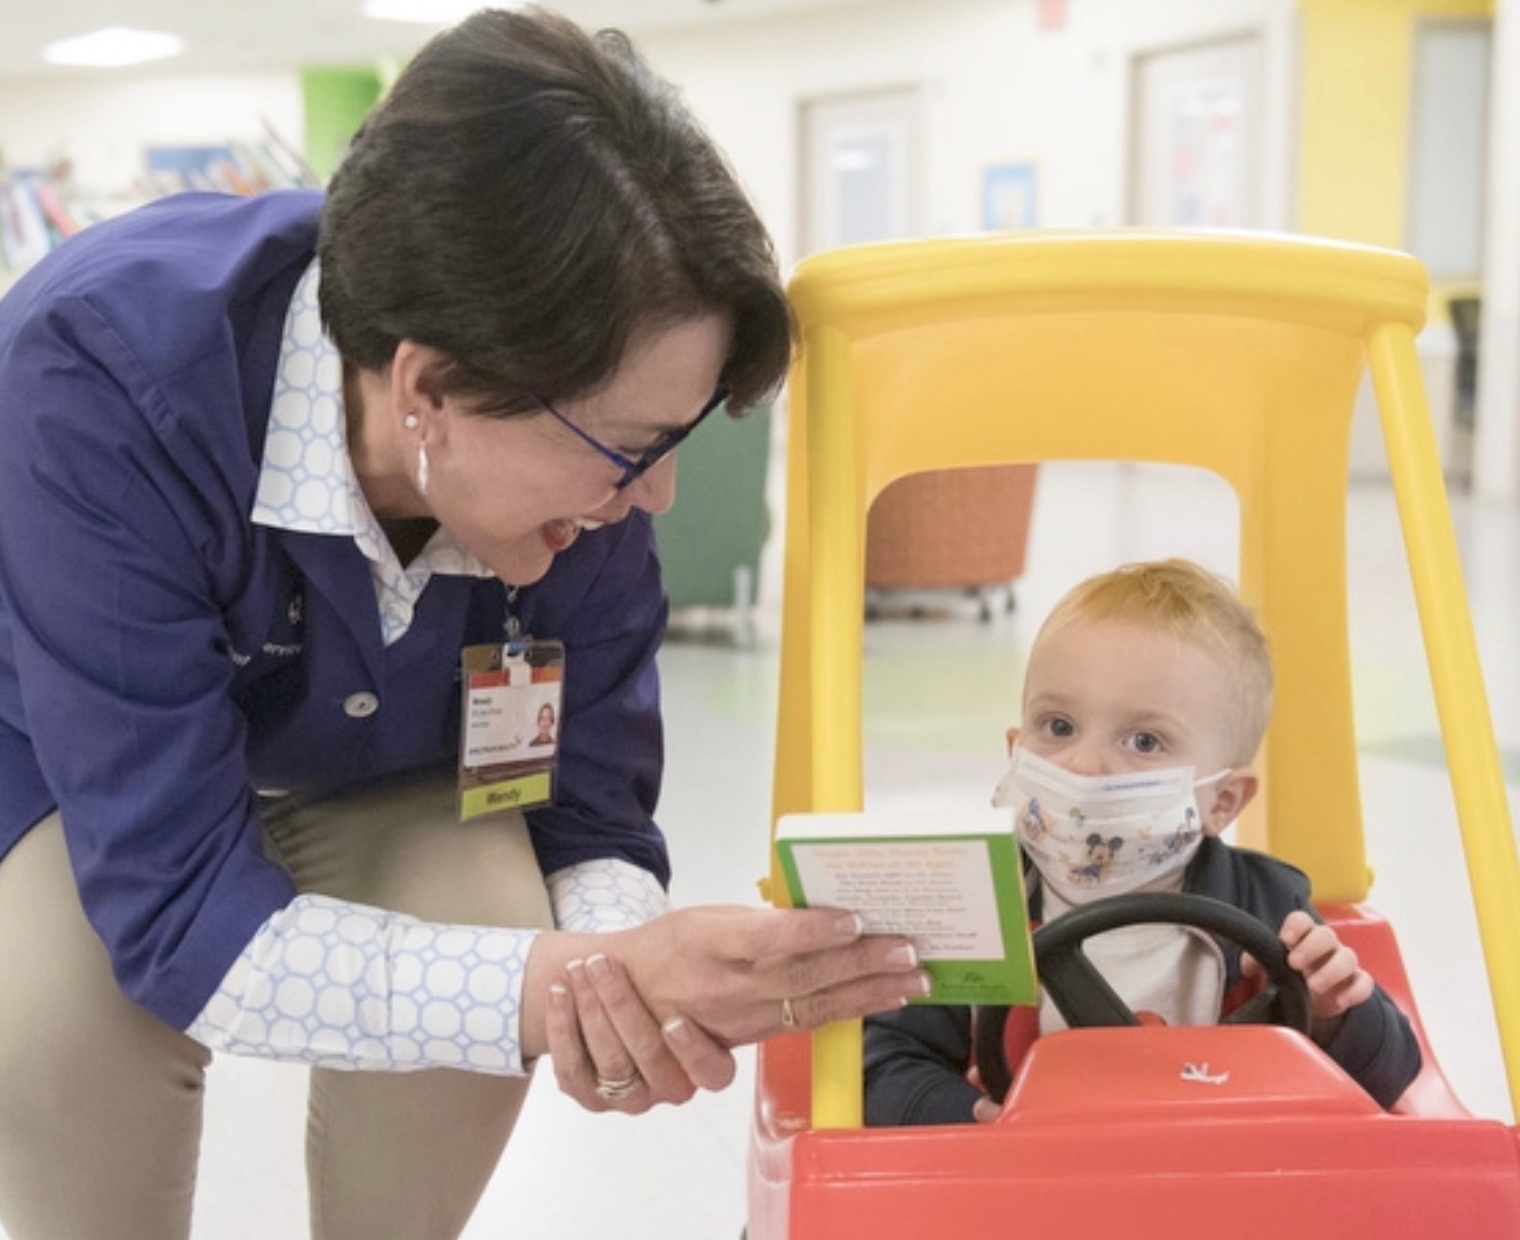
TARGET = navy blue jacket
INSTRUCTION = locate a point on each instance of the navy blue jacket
(161, 657)
(916, 1059)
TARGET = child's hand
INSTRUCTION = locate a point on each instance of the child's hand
(1337, 983)
(986, 1111)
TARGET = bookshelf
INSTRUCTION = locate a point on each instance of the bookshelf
(41, 207)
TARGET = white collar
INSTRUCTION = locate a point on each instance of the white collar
(307, 481)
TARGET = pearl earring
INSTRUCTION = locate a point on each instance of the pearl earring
(411, 422)
(422, 468)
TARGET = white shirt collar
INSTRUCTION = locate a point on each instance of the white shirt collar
(307, 482)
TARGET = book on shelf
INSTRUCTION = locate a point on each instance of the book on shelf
(25, 235)
(43, 207)
(951, 880)
(230, 168)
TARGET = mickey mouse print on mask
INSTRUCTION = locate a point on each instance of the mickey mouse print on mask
(1093, 836)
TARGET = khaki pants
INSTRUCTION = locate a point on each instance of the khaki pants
(100, 1102)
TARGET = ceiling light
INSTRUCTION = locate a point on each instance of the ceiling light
(113, 47)
(423, 12)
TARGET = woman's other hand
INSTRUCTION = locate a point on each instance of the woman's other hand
(609, 1052)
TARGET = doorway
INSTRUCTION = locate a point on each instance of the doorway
(1196, 135)
(861, 168)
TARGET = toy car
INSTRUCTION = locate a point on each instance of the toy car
(1236, 353)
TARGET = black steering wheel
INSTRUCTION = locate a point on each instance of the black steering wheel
(1086, 1000)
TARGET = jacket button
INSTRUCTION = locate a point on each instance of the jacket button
(360, 705)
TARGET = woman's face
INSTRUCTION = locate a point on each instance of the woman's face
(517, 491)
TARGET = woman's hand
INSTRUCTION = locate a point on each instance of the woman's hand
(742, 975)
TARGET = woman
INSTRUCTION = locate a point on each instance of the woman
(271, 465)
(545, 733)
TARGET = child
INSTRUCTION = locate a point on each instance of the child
(1154, 668)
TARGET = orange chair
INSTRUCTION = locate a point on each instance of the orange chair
(961, 530)
(1240, 354)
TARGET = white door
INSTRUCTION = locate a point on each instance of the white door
(1448, 141)
(1448, 152)
(1195, 145)
(860, 168)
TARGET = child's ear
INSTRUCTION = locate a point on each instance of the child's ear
(1013, 739)
(1223, 802)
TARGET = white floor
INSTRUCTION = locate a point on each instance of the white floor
(939, 692)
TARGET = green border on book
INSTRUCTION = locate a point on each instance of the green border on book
(1010, 980)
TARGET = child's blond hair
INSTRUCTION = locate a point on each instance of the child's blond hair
(1196, 606)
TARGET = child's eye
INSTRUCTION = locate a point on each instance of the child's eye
(1146, 742)
(1060, 727)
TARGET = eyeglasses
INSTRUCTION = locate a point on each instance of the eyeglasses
(635, 468)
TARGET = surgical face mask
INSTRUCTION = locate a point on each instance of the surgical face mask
(1092, 836)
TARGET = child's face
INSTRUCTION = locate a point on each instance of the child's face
(1106, 696)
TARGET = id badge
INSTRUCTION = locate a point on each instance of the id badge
(509, 730)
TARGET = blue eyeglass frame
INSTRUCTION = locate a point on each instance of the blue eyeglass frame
(635, 468)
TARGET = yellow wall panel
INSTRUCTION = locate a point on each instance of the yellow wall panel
(1356, 83)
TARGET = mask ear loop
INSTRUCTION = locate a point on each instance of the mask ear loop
(1222, 773)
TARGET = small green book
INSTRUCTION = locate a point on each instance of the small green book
(950, 880)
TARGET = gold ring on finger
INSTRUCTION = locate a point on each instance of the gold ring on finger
(788, 1016)
(613, 1090)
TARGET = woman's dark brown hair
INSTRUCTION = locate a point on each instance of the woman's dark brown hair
(527, 200)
